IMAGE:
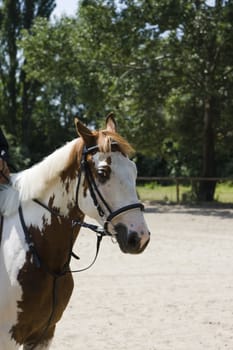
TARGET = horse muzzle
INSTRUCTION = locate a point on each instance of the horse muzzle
(131, 241)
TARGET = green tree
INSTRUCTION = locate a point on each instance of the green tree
(18, 95)
(104, 56)
(164, 66)
(201, 52)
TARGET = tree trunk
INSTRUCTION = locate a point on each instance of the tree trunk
(207, 188)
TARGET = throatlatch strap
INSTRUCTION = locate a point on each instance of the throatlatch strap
(1, 228)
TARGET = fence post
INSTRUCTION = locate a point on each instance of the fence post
(177, 191)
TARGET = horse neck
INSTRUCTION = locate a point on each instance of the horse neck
(56, 235)
(60, 197)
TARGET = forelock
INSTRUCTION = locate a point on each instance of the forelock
(105, 139)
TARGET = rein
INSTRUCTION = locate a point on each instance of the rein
(100, 231)
(36, 258)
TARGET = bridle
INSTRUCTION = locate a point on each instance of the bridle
(96, 195)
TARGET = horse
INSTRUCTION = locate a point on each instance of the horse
(43, 210)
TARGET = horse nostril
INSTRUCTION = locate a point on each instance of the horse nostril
(129, 243)
(134, 240)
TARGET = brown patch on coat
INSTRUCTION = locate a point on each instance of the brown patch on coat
(53, 246)
(109, 160)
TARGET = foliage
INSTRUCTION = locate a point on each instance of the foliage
(17, 94)
(201, 100)
(164, 67)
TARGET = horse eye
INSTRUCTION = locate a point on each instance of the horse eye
(103, 174)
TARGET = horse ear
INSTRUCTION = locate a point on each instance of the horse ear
(84, 133)
(111, 122)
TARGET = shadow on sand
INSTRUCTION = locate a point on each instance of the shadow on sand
(206, 209)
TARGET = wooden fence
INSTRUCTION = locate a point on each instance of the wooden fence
(178, 181)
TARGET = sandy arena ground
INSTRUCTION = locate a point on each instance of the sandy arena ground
(177, 295)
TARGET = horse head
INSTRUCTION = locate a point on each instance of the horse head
(107, 189)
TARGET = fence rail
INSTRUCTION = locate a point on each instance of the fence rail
(180, 180)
